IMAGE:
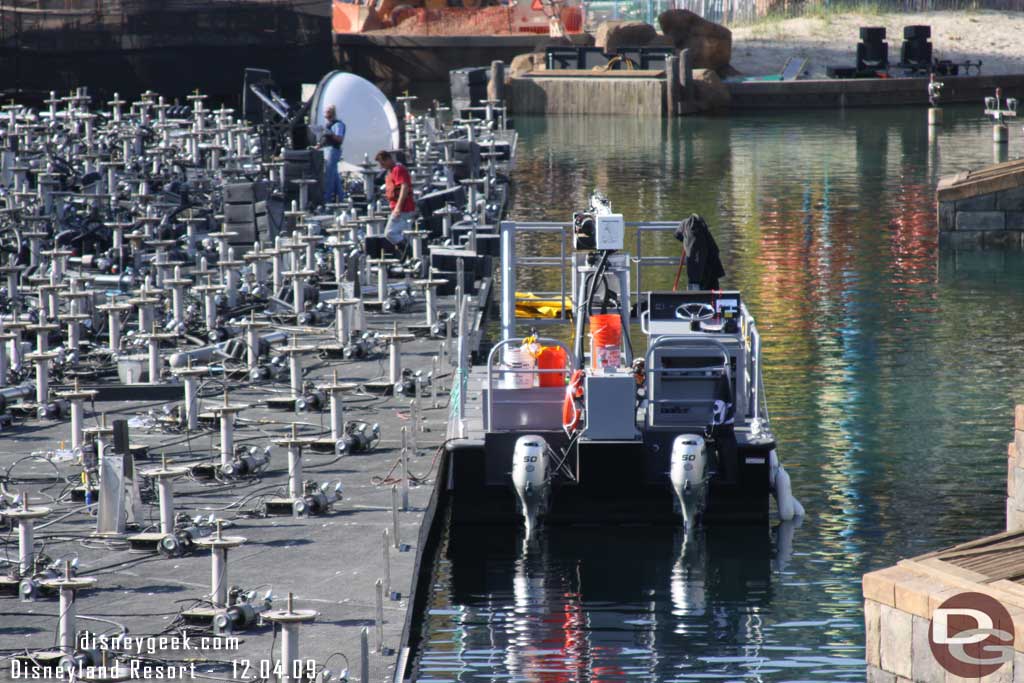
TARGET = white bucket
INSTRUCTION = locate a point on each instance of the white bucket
(517, 359)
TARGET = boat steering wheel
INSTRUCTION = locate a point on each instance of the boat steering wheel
(695, 312)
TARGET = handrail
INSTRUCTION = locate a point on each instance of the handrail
(533, 371)
(564, 260)
(755, 371)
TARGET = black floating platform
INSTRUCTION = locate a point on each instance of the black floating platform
(280, 506)
(282, 403)
(138, 392)
(380, 388)
(421, 330)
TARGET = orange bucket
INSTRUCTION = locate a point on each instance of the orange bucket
(605, 340)
(551, 358)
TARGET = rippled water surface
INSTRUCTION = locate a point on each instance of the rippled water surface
(891, 370)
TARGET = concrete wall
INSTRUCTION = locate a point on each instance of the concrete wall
(587, 95)
(995, 218)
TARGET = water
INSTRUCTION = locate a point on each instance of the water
(891, 372)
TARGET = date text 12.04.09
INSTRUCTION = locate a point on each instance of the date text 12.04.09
(301, 669)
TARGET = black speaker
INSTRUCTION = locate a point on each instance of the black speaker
(468, 155)
(487, 245)
(376, 246)
(452, 277)
(468, 85)
(872, 56)
(916, 51)
(872, 34)
(120, 436)
(917, 32)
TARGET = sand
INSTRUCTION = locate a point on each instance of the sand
(994, 37)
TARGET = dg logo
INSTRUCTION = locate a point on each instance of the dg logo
(971, 635)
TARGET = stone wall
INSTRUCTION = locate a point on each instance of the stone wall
(984, 206)
(898, 606)
(996, 218)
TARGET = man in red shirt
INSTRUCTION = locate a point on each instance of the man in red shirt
(398, 189)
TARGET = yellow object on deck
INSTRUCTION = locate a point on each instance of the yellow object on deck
(529, 305)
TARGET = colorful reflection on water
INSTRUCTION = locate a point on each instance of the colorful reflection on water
(891, 370)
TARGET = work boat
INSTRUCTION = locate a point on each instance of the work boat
(671, 427)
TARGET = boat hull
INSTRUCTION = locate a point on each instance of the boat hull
(619, 483)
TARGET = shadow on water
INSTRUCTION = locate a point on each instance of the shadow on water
(891, 371)
(625, 603)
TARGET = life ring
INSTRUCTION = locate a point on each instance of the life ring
(571, 414)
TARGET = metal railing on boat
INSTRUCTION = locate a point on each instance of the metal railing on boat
(567, 279)
(565, 262)
(489, 386)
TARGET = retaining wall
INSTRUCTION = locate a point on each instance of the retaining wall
(588, 95)
(985, 206)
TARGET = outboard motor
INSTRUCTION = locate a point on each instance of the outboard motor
(689, 475)
(782, 489)
(530, 477)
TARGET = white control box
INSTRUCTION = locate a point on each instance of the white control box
(611, 232)
(611, 406)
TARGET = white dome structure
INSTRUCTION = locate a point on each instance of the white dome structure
(370, 121)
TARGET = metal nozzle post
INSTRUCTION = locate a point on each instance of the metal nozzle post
(26, 539)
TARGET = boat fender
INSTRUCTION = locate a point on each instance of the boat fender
(782, 488)
(571, 413)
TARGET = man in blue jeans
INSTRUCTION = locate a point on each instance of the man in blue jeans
(333, 137)
(398, 189)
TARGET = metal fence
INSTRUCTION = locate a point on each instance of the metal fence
(748, 11)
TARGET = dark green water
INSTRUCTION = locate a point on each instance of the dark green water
(891, 370)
